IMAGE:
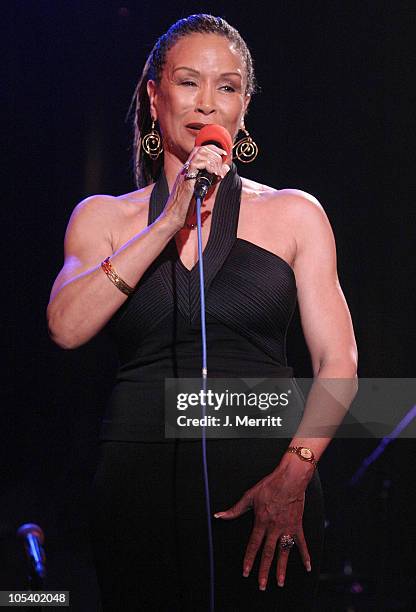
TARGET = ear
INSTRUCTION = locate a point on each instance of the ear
(152, 93)
(247, 100)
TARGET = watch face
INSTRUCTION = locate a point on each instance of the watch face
(306, 453)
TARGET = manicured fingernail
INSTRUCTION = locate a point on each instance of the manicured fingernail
(308, 566)
(281, 581)
(262, 586)
(218, 514)
(245, 573)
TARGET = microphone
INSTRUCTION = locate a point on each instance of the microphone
(216, 135)
(33, 538)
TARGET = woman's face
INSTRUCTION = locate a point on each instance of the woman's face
(203, 82)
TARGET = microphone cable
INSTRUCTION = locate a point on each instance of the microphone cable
(204, 389)
(219, 136)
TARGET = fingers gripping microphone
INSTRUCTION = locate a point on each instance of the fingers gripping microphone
(216, 135)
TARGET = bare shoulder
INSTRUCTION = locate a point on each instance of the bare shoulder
(295, 205)
(135, 201)
(284, 221)
(315, 241)
(99, 204)
(252, 190)
(110, 215)
(91, 217)
(295, 200)
(302, 203)
(102, 205)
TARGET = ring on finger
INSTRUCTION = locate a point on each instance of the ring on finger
(191, 175)
(188, 174)
(286, 542)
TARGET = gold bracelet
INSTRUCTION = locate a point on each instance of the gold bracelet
(114, 277)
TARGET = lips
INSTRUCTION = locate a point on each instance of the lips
(196, 126)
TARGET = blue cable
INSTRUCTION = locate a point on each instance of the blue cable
(204, 388)
(406, 420)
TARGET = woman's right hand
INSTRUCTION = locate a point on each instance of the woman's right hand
(180, 201)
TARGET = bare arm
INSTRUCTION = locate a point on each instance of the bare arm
(83, 299)
(327, 327)
(278, 499)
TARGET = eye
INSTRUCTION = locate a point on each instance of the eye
(188, 83)
(227, 88)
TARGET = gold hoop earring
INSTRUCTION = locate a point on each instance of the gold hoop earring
(152, 143)
(245, 150)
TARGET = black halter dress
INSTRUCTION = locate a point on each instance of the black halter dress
(150, 488)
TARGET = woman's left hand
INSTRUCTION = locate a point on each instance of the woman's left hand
(278, 501)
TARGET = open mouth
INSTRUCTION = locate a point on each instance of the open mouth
(195, 126)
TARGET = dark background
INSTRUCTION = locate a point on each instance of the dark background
(334, 118)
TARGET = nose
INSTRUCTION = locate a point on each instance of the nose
(206, 101)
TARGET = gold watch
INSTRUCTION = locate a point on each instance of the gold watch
(303, 453)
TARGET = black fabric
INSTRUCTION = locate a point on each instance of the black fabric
(149, 529)
(148, 516)
(250, 298)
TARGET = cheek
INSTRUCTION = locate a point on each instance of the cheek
(234, 113)
(184, 100)
(177, 100)
(234, 107)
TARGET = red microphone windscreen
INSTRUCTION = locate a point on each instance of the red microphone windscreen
(218, 135)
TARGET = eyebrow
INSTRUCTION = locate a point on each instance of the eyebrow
(197, 72)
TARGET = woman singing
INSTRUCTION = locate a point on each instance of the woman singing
(131, 266)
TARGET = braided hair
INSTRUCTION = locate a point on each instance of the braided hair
(146, 170)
